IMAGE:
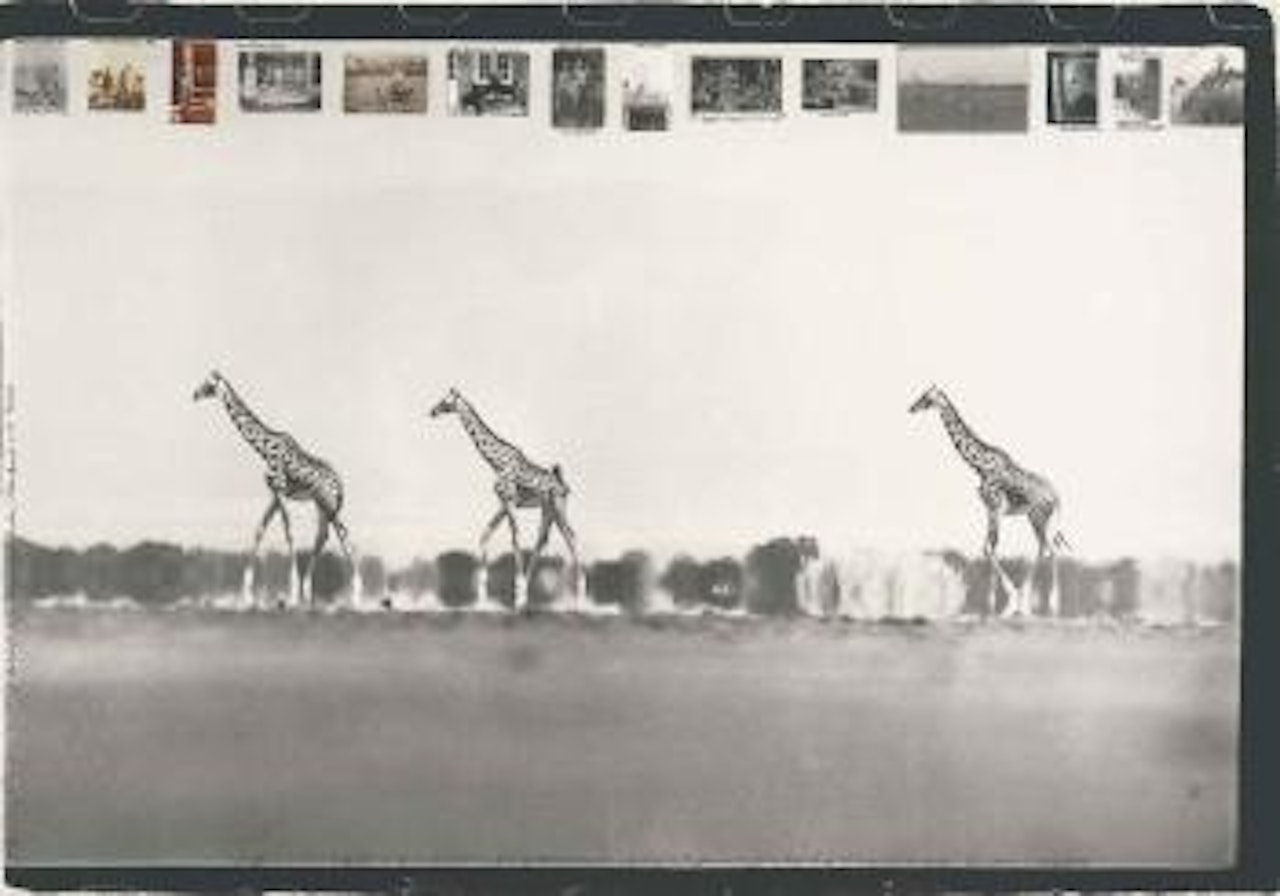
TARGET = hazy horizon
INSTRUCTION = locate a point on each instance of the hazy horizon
(715, 353)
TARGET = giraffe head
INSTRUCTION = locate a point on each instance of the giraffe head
(932, 398)
(448, 405)
(208, 388)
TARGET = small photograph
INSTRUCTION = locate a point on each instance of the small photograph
(1206, 86)
(1073, 88)
(577, 91)
(488, 82)
(736, 86)
(648, 78)
(39, 76)
(840, 85)
(384, 83)
(279, 81)
(118, 77)
(195, 81)
(963, 89)
(1137, 88)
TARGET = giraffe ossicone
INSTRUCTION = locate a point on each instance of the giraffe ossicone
(1006, 489)
(292, 474)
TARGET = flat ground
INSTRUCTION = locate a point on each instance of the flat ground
(196, 737)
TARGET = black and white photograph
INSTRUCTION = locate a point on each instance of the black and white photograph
(647, 82)
(578, 88)
(280, 80)
(963, 89)
(1138, 88)
(118, 76)
(736, 86)
(488, 82)
(39, 76)
(740, 496)
(1206, 86)
(837, 86)
(1073, 87)
(384, 83)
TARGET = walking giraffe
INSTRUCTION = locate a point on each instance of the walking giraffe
(292, 475)
(1006, 489)
(520, 483)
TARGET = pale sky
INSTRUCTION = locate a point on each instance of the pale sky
(965, 65)
(716, 331)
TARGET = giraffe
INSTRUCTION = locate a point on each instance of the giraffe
(292, 475)
(520, 483)
(1006, 489)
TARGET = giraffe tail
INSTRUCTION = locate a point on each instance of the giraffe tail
(559, 474)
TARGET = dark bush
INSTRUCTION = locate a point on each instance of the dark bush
(456, 571)
(151, 572)
(771, 575)
(624, 583)
(683, 579)
(720, 583)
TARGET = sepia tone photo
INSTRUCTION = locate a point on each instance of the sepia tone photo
(118, 76)
(39, 76)
(962, 89)
(1138, 88)
(647, 79)
(739, 496)
(488, 82)
(840, 85)
(577, 88)
(195, 81)
(384, 83)
(279, 81)
(1206, 86)
(1073, 88)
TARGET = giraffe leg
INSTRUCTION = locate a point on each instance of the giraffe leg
(544, 530)
(308, 581)
(293, 556)
(482, 583)
(247, 584)
(1041, 526)
(521, 582)
(357, 587)
(997, 571)
(571, 542)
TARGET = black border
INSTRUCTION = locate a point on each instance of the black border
(1249, 27)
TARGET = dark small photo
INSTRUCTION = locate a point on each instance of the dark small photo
(1207, 86)
(488, 82)
(963, 89)
(1073, 87)
(1137, 88)
(577, 91)
(279, 81)
(840, 85)
(195, 81)
(736, 86)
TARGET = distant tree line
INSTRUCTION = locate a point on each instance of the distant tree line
(767, 581)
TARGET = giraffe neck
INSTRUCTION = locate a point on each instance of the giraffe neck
(252, 429)
(491, 447)
(971, 448)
